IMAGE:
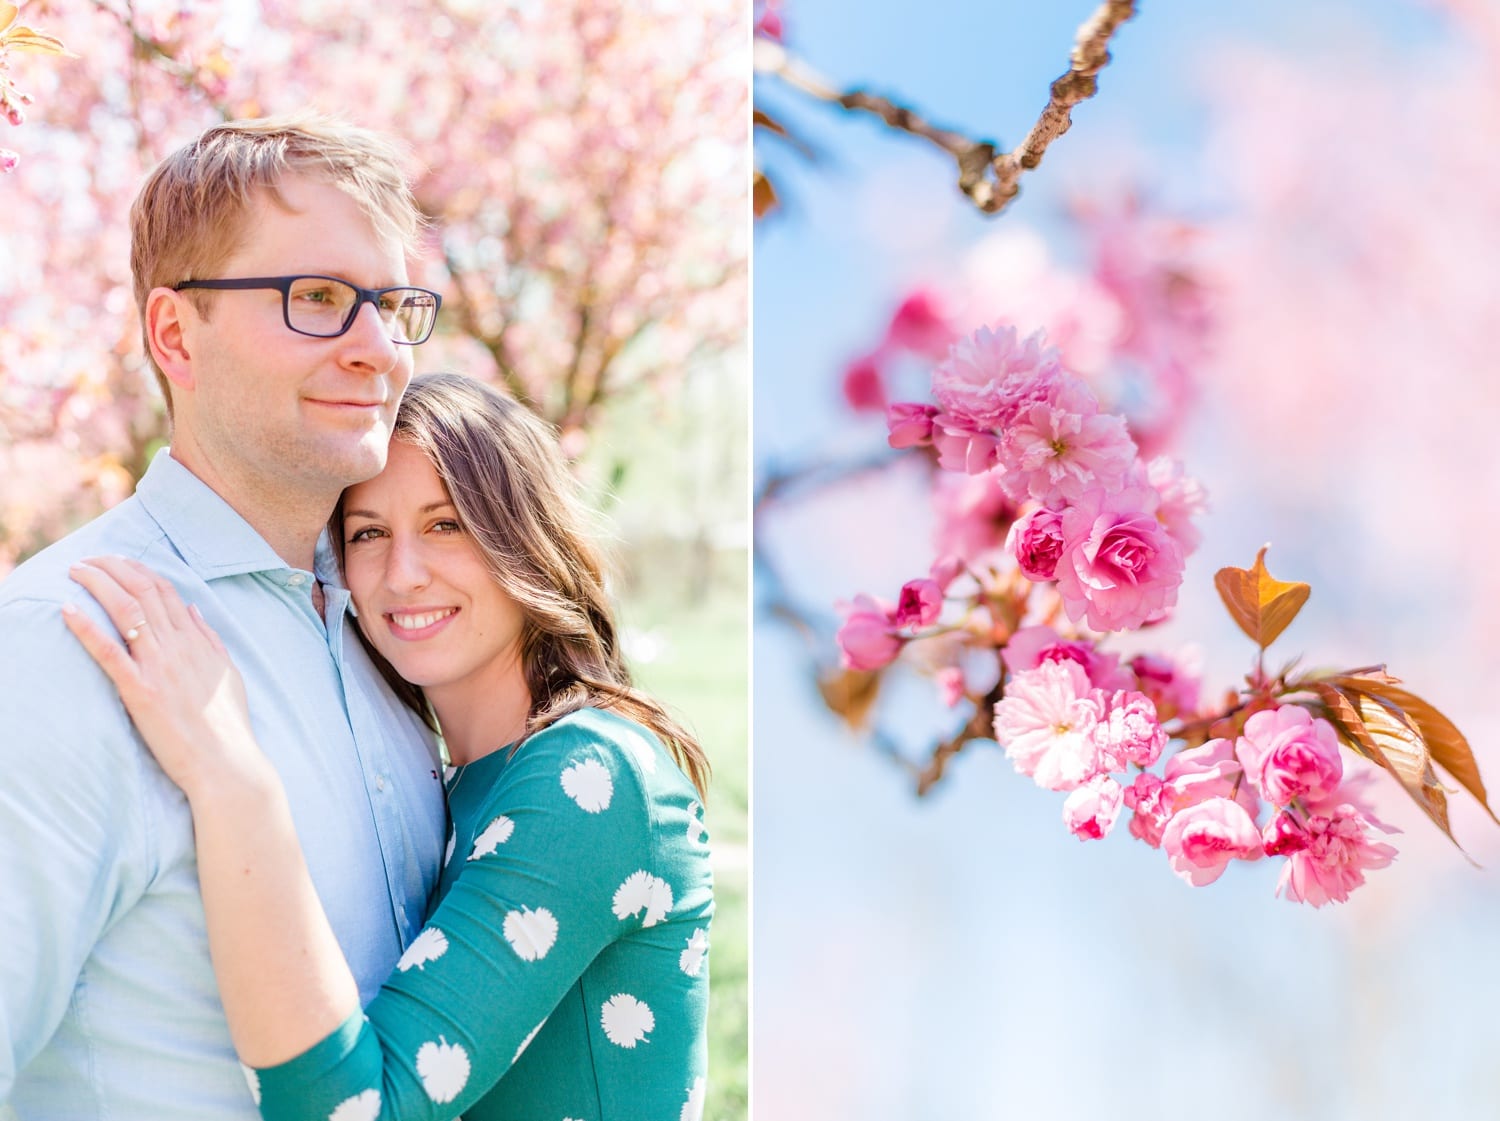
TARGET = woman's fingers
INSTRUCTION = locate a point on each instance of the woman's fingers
(157, 597)
(113, 658)
(125, 610)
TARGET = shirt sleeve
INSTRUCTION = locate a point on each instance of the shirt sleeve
(73, 836)
(558, 869)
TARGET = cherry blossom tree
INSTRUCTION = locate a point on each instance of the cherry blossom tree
(582, 163)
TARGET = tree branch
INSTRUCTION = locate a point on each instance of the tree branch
(989, 177)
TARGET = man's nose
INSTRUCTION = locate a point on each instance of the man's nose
(367, 343)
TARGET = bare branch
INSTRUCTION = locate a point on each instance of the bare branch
(989, 177)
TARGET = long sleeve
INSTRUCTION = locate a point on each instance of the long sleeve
(73, 833)
(580, 872)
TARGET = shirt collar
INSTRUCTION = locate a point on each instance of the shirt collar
(210, 535)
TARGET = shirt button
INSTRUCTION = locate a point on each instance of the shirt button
(297, 580)
(379, 782)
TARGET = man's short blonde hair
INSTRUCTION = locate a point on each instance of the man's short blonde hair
(189, 217)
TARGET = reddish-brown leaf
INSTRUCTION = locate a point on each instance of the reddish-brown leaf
(1262, 605)
(765, 195)
(1345, 717)
(1448, 746)
(850, 693)
(1402, 751)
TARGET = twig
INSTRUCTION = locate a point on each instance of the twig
(989, 177)
(775, 602)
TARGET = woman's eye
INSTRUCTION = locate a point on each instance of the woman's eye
(368, 533)
(447, 525)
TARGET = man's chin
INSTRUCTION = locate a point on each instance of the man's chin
(355, 460)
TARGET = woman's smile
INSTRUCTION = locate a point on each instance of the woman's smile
(413, 625)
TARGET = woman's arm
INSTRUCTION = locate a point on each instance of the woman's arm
(282, 977)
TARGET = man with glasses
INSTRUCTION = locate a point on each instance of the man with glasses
(269, 260)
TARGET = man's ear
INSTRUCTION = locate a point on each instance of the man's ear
(168, 315)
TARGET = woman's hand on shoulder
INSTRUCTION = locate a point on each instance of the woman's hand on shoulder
(174, 676)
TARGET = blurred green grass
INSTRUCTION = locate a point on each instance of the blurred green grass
(697, 660)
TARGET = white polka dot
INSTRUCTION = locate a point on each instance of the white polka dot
(525, 1043)
(588, 783)
(430, 945)
(642, 891)
(691, 961)
(644, 754)
(361, 1107)
(448, 854)
(252, 1079)
(697, 831)
(495, 834)
(692, 1109)
(530, 933)
(626, 1020)
(444, 1068)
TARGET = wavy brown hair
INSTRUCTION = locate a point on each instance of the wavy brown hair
(518, 503)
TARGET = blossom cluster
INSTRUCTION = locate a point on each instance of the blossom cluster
(1109, 529)
(1048, 512)
(1059, 726)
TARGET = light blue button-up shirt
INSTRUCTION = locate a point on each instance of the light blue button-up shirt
(108, 1007)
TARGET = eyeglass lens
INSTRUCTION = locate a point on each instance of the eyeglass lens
(323, 307)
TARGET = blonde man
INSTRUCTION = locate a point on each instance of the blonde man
(270, 270)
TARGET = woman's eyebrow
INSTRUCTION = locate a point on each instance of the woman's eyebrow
(446, 503)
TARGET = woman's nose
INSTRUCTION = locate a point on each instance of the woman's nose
(406, 568)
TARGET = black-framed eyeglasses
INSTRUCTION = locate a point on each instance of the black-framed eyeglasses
(325, 307)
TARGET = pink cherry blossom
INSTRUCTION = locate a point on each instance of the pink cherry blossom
(768, 20)
(1090, 811)
(1030, 646)
(1210, 770)
(910, 424)
(867, 638)
(951, 685)
(989, 373)
(1060, 447)
(1045, 724)
(1172, 684)
(946, 569)
(864, 389)
(1182, 500)
(1037, 543)
(1337, 850)
(920, 325)
(1120, 567)
(970, 451)
(1150, 802)
(973, 514)
(1202, 839)
(1289, 753)
(920, 604)
(1284, 835)
(1129, 733)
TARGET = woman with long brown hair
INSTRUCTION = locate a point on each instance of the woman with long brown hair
(563, 971)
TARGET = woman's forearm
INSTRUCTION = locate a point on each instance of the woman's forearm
(282, 976)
